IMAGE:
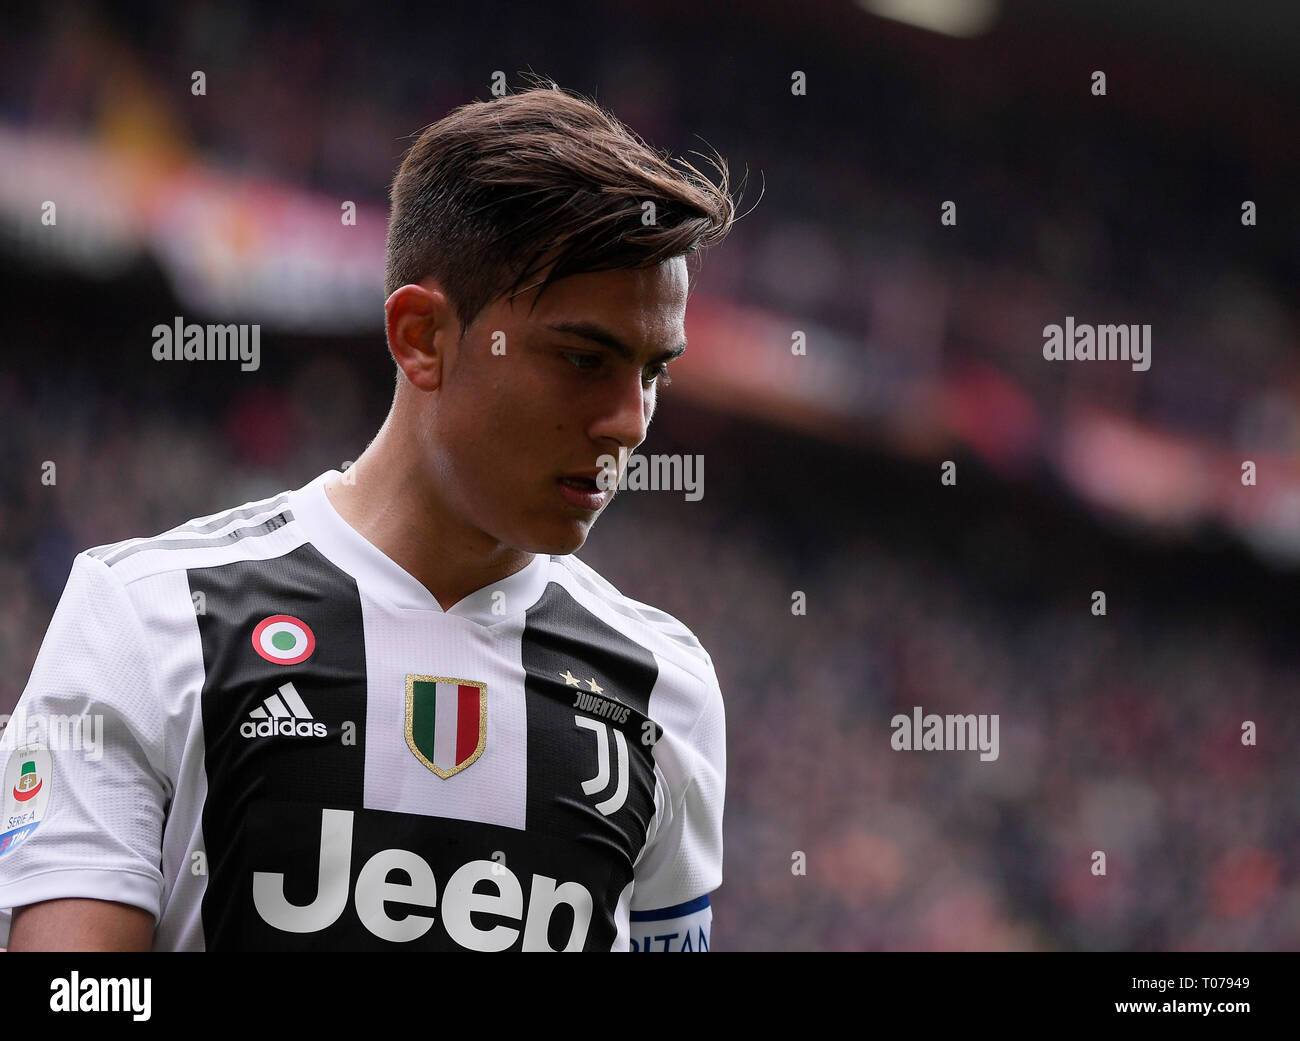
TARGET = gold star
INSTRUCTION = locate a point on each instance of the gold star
(570, 680)
(595, 687)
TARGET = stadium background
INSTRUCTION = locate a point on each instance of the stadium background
(1119, 733)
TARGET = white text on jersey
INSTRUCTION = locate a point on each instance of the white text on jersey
(459, 899)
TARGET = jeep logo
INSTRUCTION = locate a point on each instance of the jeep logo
(460, 897)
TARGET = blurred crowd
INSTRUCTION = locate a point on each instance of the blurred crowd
(1119, 734)
(1122, 209)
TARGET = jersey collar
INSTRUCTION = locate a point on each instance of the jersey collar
(380, 575)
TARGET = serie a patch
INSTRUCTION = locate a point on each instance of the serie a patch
(27, 780)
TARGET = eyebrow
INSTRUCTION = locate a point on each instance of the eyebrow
(599, 334)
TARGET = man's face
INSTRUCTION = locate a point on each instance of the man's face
(510, 424)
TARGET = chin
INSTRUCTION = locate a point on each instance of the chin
(560, 540)
(569, 545)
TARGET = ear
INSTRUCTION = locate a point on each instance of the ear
(422, 326)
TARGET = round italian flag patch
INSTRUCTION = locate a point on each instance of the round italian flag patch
(284, 639)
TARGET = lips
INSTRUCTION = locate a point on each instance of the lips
(583, 490)
(585, 480)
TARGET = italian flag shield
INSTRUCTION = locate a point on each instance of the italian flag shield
(446, 722)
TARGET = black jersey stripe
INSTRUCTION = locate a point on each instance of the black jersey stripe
(561, 636)
(252, 531)
(249, 773)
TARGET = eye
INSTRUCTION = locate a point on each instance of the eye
(657, 373)
(579, 358)
(586, 362)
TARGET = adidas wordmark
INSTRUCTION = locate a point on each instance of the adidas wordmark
(284, 713)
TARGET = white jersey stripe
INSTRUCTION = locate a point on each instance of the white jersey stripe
(444, 726)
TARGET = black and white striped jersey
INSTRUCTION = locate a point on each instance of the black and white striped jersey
(261, 729)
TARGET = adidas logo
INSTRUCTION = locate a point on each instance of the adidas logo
(284, 713)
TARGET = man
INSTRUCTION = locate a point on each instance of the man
(388, 710)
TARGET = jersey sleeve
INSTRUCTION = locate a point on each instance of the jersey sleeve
(670, 908)
(85, 793)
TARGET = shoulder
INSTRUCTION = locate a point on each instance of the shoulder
(237, 533)
(664, 631)
(152, 577)
(686, 667)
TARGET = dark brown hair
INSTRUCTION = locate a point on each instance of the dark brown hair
(492, 193)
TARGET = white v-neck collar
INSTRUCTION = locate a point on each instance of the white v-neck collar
(382, 576)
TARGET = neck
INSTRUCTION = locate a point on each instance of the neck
(389, 496)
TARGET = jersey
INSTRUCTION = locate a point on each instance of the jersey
(262, 730)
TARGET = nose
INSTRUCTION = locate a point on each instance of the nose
(625, 415)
